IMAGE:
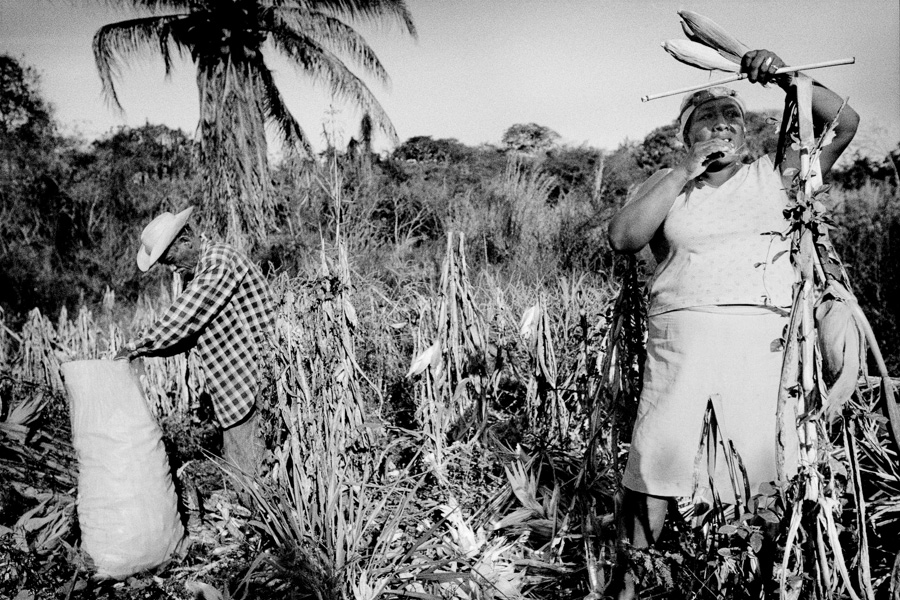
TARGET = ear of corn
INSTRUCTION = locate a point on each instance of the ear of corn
(689, 33)
(700, 56)
(842, 346)
(709, 33)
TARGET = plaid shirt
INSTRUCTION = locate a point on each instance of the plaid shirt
(226, 311)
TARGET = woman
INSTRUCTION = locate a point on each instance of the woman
(718, 298)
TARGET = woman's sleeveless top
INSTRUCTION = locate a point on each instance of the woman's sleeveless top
(722, 245)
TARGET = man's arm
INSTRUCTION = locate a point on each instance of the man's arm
(192, 311)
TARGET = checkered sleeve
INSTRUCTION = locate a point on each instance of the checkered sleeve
(192, 311)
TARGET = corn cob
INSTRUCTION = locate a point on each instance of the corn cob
(430, 357)
(709, 33)
(689, 33)
(698, 55)
(695, 38)
(842, 345)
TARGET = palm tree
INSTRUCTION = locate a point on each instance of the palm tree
(238, 95)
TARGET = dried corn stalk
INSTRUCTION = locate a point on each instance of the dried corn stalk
(321, 499)
(38, 360)
(171, 384)
(835, 337)
(318, 368)
(613, 396)
(547, 413)
(5, 335)
(713, 440)
(451, 394)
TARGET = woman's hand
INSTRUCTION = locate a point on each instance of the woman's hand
(760, 67)
(701, 154)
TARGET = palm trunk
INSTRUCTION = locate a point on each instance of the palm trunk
(237, 202)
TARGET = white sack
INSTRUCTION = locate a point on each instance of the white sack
(127, 506)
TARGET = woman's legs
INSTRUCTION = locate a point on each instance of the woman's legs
(643, 517)
(641, 520)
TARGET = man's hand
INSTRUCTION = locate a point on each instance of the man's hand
(124, 353)
(128, 351)
(760, 67)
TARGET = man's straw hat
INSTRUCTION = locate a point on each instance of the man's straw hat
(158, 236)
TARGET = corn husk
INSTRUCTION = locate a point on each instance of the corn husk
(529, 323)
(842, 345)
(707, 32)
(700, 56)
(429, 358)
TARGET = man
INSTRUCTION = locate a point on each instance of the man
(225, 314)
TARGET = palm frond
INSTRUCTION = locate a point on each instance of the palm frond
(363, 10)
(276, 111)
(325, 67)
(115, 43)
(336, 35)
(151, 5)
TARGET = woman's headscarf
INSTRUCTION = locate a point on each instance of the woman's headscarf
(691, 101)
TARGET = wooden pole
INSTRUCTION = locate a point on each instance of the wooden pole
(739, 76)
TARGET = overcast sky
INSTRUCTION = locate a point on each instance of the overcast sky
(579, 67)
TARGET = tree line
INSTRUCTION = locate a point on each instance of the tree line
(528, 205)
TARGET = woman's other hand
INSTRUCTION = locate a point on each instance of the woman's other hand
(760, 67)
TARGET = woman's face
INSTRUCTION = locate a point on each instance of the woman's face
(717, 119)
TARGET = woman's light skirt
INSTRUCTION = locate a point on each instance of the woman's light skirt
(732, 356)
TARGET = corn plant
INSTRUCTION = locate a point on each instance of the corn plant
(452, 394)
(547, 414)
(835, 343)
(342, 526)
(42, 528)
(316, 501)
(31, 454)
(171, 384)
(613, 388)
(5, 335)
(38, 361)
